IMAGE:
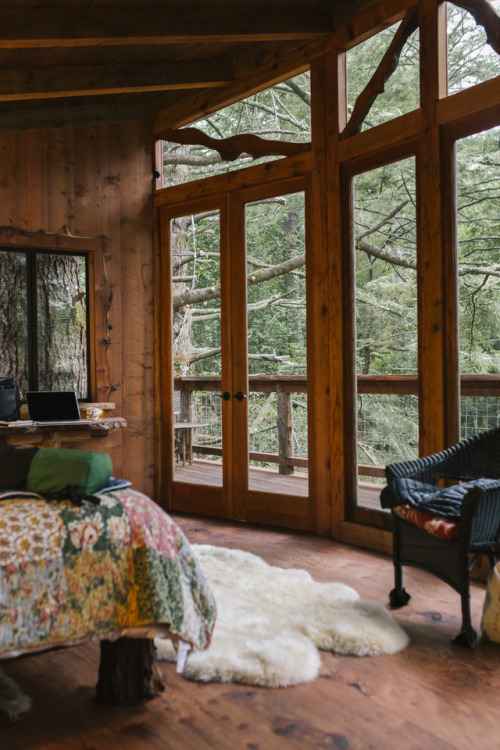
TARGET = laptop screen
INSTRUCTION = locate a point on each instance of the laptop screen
(52, 406)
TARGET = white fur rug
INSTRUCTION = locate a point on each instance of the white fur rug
(272, 621)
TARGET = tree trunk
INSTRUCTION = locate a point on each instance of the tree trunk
(62, 324)
(13, 333)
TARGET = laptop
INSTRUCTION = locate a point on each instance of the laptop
(54, 407)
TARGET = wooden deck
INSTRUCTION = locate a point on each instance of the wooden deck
(431, 695)
(210, 473)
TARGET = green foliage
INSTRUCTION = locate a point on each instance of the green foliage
(385, 236)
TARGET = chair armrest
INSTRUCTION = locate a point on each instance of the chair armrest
(480, 515)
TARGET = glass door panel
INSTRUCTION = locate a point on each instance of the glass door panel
(277, 345)
(197, 347)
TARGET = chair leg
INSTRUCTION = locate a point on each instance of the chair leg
(467, 636)
(398, 597)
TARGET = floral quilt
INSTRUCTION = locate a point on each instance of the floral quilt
(69, 572)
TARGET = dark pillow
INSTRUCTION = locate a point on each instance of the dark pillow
(14, 466)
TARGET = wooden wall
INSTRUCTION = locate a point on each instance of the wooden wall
(93, 181)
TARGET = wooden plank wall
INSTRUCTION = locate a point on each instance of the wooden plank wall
(94, 181)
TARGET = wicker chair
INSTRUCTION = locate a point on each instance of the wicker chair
(478, 531)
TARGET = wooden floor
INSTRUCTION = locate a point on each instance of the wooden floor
(431, 696)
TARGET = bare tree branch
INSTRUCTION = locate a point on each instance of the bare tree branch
(384, 221)
(301, 93)
(486, 16)
(190, 160)
(231, 148)
(265, 274)
(386, 67)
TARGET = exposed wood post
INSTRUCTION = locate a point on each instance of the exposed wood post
(438, 346)
(285, 448)
(186, 413)
(328, 410)
(128, 673)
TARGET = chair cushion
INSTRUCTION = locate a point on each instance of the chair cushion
(439, 526)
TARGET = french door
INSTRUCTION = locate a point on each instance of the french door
(233, 295)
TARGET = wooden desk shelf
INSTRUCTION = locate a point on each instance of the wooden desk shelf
(50, 436)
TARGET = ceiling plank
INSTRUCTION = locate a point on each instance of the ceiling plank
(51, 83)
(59, 117)
(178, 24)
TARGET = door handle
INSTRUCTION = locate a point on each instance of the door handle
(226, 395)
(240, 396)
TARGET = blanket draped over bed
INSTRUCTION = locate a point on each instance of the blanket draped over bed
(70, 572)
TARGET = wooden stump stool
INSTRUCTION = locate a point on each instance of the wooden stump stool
(128, 672)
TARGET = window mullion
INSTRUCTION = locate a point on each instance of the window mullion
(32, 308)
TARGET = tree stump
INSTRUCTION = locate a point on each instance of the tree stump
(128, 673)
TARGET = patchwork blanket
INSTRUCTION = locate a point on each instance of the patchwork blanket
(70, 572)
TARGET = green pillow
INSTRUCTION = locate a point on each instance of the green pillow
(53, 470)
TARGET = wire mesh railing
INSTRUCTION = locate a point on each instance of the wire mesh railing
(387, 424)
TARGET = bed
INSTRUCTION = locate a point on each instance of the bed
(115, 568)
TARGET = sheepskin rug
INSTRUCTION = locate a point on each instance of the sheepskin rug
(271, 622)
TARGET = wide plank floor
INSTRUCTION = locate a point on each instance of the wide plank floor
(432, 695)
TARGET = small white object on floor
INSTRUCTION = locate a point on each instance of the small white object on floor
(182, 653)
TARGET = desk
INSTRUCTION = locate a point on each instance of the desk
(183, 438)
(49, 436)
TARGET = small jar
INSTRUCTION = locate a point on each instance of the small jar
(93, 413)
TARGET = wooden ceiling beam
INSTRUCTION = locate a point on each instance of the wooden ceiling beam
(177, 24)
(55, 83)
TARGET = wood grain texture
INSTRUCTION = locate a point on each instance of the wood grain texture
(438, 384)
(430, 695)
(73, 179)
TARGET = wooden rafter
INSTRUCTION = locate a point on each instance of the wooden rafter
(19, 85)
(175, 23)
(231, 148)
(385, 69)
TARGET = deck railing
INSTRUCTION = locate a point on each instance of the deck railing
(480, 410)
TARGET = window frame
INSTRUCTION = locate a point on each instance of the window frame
(99, 295)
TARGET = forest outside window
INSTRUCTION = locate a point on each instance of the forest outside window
(44, 325)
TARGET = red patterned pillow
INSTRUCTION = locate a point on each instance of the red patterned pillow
(435, 525)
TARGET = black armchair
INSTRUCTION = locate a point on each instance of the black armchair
(477, 517)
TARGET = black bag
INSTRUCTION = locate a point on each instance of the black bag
(10, 400)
